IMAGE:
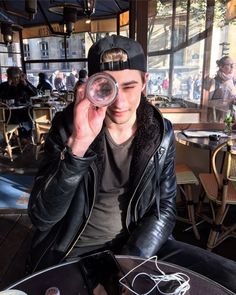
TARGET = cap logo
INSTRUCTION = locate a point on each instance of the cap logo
(114, 65)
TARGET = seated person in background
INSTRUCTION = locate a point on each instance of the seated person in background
(44, 83)
(71, 80)
(222, 88)
(83, 76)
(17, 87)
(107, 179)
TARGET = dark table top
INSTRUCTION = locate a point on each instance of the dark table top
(67, 277)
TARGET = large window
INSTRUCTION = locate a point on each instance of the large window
(61, 55)
(44, 49)
(9, 56)
(26, 51)
(185, 39)
(175, 49)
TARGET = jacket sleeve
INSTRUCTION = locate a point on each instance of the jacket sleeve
(158, 222)
(57, 180)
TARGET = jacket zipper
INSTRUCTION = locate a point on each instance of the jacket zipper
(135, 211)
(129, 206)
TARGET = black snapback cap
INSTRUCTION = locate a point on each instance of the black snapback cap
(136, 58)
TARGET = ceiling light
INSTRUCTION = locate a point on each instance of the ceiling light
(31, 8)
(59, 9)
(7, 32)
(70, 17)
(89, 7)
(70, 12)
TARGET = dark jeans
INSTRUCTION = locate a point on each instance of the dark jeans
(213, 266)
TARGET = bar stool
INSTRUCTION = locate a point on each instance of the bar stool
(185, 181)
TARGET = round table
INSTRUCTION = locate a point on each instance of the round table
(201, 142)
(68, 278)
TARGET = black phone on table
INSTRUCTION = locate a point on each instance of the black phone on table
(101, 268)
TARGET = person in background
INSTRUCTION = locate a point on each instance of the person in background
(83, 76)
(197, 86)
(18, 90)
(59, 82)
(221, 89)
(52, 78)
(165, 85)
(71, 80)
(190, 83)
(17, 87)
(44, 83)
(223, 85)
(107, 179)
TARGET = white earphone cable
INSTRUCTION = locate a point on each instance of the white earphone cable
(181, 279)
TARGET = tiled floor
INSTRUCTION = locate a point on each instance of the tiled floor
(16, 229)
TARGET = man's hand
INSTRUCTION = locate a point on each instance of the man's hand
(88, 121)
(23, 78)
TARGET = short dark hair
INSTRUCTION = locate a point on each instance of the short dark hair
(13, 71)
(83, 74)
(42, 76)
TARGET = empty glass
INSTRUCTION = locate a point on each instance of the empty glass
(101, 89)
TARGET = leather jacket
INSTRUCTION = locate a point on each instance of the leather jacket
(66, 186)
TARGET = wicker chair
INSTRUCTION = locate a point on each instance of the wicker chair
(42, 118)
(220, 189)
(185, 181)
(9, 131)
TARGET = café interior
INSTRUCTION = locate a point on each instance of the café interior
(182, 40)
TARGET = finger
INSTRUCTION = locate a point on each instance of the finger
(80, 93)
(101, 111)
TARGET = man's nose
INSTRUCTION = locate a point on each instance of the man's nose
(120, 99)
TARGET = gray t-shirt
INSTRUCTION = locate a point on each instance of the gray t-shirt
(108, 215)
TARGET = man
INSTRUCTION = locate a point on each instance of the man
(83, 76)
(44, 83)
(18, 90)
(107, 180)
(71, 80)
(16, 87)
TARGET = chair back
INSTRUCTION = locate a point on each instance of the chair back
(231, 172)
(70, 96)
(229, 166)
(41, 115)
(5, 113)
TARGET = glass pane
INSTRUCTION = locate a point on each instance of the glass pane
(55, 70)
(187, 73)
(159, 27)
(197, 16)
(54, 47)
(180, 22)
(158, 82)
(9, 56)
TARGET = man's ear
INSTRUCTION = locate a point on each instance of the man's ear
(145, 79)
